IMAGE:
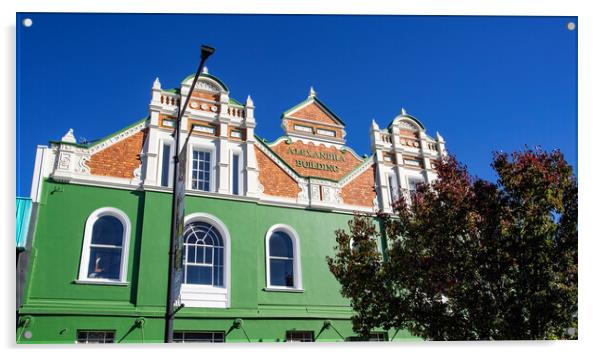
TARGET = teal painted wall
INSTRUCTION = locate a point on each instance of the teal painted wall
(68, 306)
(23, 206)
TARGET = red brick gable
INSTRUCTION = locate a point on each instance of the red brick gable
(314, 112)
(120, 159)
(275, 181)
(360, 191)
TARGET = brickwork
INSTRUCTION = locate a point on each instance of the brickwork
(120, 159)
(301, 157)
(314, 112)
(360, 191)
(275, 181)
(205, 95)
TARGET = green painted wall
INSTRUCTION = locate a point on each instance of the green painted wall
(59, 306)
(50, 329)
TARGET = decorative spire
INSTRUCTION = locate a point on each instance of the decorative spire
(312, 92)
(157, 84)
(205, 70)
(374, 125)
(69, 137)
(249, 101)
(403, 111)
(439, 137)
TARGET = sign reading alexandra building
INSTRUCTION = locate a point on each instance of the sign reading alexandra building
(316, 155)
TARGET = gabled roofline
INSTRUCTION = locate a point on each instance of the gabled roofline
(235, 102)
(360, 167)
(315, 99)
(101, 140)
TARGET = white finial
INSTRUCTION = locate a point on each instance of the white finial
(249, 101)
(69, 137)
(403, 111)
(157, 84)
(374, 125)
(205, 70)
(312, 92)
(439, 137)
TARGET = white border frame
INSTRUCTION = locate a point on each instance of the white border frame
(162, 143)
(85, 255)
(213, 165)
(203, 295)
(237, 150)
(296, 258)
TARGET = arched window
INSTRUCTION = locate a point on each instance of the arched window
(105, 249)
(204, 252)
(283, 269)
(206, 280)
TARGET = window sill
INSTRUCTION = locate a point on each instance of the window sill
(102, 282)
(283, 289)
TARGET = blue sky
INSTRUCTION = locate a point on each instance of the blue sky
(485, 83)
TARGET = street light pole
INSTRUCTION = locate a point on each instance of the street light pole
(206, 51)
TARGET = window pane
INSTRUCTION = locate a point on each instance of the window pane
(235, 174)
(107, 230)
(95, 336)
(299, 336)
(281, 272)
(165, 165)
(281, 245)
(201, 170)
(413, 184)
(105, 263)
(393, 189)
(208, 255)
(198, 275)
(378, 336)
(218, 270)
(218, 276)
(198, 336)
(190, 253)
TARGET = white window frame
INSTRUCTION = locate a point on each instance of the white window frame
(241, 167)
(202, 146)
(297, 274)
(194, 295)
(326, 132)
(303, 128)
(162, 143)
(416, 180)
(85, 256)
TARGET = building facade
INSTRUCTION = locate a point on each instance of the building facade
(260, 220)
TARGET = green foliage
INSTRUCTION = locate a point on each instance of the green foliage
(467, 259)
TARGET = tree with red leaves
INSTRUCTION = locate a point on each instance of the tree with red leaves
(466, 259)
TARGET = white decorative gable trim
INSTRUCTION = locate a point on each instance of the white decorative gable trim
(291, 114)
(355, 173)
(204, 85)
(279, 162)
(72, 160)
(117, 138)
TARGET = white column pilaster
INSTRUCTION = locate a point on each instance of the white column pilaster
(223, 160)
